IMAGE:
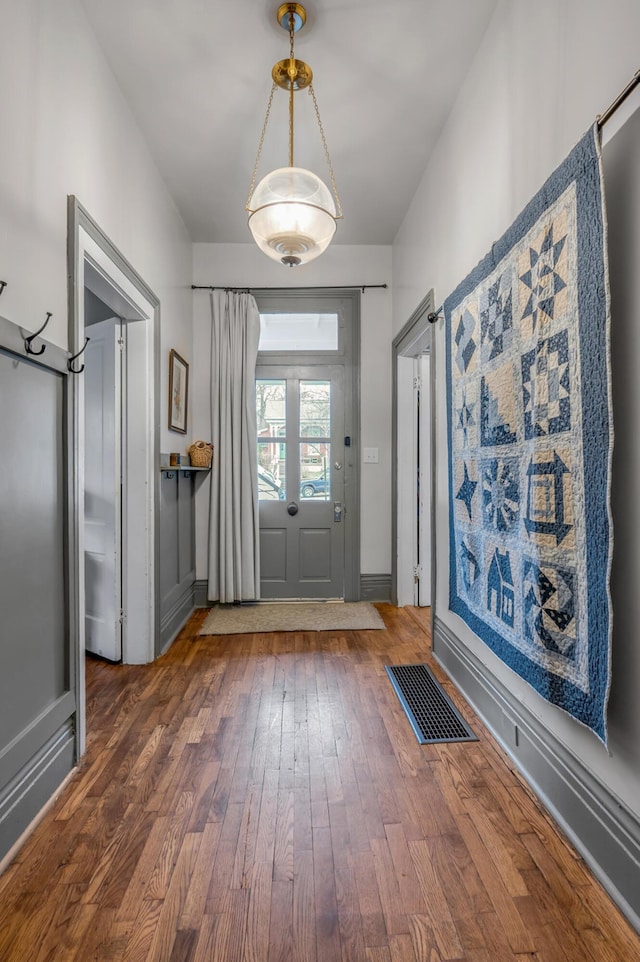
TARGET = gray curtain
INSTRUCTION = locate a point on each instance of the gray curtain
(234, 559)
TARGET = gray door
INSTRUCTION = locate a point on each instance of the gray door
(301, 449)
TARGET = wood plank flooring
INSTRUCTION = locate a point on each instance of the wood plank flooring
(263, 798)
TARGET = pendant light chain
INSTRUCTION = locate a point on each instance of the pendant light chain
(292, 71)
(260, 145)
(291, 164)
(339, 213)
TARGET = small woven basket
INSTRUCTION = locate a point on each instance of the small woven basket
(201, 454)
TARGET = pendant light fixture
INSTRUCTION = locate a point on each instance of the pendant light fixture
(292, 213)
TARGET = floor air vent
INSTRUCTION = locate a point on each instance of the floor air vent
(433, 716)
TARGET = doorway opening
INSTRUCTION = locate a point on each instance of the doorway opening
(105, 410)
(307, 445)
(115, 397)
(301, 483)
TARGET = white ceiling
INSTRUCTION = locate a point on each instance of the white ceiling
(197, 75)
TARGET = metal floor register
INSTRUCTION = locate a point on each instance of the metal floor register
(432, 714)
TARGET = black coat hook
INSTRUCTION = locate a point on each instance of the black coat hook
(3, 284)
(70, 367)
(28, 340)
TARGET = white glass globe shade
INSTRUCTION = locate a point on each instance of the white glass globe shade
(293, 216)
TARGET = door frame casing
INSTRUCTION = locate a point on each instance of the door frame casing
(348, 355)
(312, 515)
(86, 242)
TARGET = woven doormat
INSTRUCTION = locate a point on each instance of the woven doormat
(305, 616)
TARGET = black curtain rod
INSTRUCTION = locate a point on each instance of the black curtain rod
(248, 290)
(601, 119)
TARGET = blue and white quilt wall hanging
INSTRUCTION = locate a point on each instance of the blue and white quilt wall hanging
(530, 437)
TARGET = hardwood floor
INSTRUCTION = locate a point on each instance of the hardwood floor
(263, 798)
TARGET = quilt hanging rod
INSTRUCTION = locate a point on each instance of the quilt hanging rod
(601, 119)
(249, 290)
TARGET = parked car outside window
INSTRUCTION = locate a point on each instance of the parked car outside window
(313, 486)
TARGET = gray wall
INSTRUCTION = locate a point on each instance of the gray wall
(95, 310)
(622, 185)
(37, 701)
(176, 552)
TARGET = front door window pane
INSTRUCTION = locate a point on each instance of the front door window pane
(271, 422)
(315, 471)
(271, 407)
(315, 409)
(272, 470)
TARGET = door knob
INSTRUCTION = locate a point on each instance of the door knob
(338, 465)
(292, 508)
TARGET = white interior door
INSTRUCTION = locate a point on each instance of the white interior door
(102, 494)
(413, 580)
(424, 482)
(406, 483)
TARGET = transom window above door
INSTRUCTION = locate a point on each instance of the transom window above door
(298, 331)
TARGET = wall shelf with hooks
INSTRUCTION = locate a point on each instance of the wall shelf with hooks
(180, 467)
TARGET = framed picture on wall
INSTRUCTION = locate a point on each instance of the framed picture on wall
(178, 392)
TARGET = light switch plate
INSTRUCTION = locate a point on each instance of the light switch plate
(370, 455)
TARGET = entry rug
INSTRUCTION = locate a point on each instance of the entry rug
(530, 436)
(280, 616)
